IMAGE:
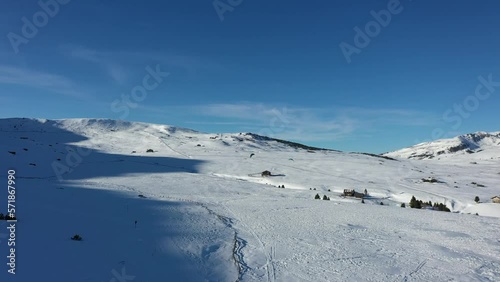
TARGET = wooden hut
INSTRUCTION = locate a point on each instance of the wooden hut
(353, 193)
(266, 173)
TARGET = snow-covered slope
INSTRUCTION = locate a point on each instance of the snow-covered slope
(479, 145)
(195, 208)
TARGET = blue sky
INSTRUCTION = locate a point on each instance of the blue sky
(270, 67)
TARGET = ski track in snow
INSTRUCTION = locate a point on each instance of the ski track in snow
(420, 265)
(239, 243)
(168, 146)
(269, 263)
(229, 222)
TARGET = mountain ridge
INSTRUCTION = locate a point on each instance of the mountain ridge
(466, 144)
(469, 143)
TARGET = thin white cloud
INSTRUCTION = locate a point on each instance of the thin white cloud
(237, 111)
(296, 123)
(220, 123)
(117, 72)
(84, 54)
(313, 124)
(280, 122)
(391, 116)
(107, 64)
(41, 80)
(120, 64)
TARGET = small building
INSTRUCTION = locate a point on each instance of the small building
(349, 192)
(266, 173)
(496, 199)
(353, 193)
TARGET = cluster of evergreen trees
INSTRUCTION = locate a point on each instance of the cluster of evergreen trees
(441, 207)
(418, 204)
(325, 197)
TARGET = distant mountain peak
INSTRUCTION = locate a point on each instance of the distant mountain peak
(465, 144)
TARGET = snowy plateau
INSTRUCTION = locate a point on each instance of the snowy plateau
(162, 203)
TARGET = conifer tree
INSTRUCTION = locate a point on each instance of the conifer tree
(413, 202)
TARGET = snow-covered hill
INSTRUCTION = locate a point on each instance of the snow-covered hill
(477, 146)
(162, 203)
